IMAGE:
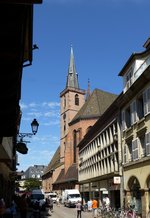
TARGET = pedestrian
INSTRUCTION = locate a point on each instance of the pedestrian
(2, 207)
(13, 210)
(79, 209)
(89, 203)
(106, 202)
(94, 207)
(57, 201)
(51, 204)
(48, 207)
(23, 206)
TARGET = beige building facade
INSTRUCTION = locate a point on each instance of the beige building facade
(128, 120)
(135, 118)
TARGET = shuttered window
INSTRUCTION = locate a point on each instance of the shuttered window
(148, 143)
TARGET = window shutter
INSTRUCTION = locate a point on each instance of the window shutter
(148, 100)
(147, 143)
(135, 149)
(123, 120)
(144, 99)
(133, 112)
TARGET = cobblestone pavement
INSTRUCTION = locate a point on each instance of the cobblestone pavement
(65, 212)
(59, 212)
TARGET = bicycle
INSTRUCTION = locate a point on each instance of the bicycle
(128, 213)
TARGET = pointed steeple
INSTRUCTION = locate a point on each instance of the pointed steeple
(72, 78)
(88, 92)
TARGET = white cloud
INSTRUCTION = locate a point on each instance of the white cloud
(34, 114)
(33, 104)
(53, 104)
(23, 106)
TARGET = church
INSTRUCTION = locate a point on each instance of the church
(79, 111)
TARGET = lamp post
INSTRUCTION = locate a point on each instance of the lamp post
(21, 145)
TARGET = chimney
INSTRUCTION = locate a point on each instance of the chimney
(147, 44)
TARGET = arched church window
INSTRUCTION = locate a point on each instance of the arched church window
(88, 129)
(76, 99)
(74, 145)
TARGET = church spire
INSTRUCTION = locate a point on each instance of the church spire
(72, 78)
(88, 92)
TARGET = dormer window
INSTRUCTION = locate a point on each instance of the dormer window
(129, 78)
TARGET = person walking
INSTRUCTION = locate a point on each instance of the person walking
(2, 207)
(79, 209)
(89, 203)
(23, 206)
(94, 207)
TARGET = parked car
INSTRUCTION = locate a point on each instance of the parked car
(37, 196)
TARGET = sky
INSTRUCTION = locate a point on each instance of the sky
(103, 34)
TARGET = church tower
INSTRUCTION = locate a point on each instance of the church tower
(72, 99)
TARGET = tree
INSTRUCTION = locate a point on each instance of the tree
(32, 183)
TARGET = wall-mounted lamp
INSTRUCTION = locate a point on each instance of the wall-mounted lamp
(21, 145)
(34, 127)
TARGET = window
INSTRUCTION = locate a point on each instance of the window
(74, 145)
(142, 142)
(125, 154)
(148, 143)
(146, 97)
(128, 117)
(133, 112)
(129, 78)
(140, 107)
(64, 101)
(76, 99)
(88, 129)
(64, 126)
(135, 155)
(129, 151)
(123, 120)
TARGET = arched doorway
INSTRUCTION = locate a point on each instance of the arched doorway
(135, 193)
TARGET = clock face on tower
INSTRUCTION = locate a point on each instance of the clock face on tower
(64, 116)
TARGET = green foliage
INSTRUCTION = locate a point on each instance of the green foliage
(32, 183)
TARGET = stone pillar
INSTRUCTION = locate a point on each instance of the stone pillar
(90, 194)
(127, 197)
(145, 202)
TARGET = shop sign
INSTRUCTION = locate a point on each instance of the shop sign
(116, 180)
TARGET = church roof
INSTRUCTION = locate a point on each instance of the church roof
(55, 162)
(72, 78)
(71, 175)
(95, 105)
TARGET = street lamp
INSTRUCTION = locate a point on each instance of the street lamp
(21, 145)
(34, 127)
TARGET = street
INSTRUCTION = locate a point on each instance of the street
(65, 212)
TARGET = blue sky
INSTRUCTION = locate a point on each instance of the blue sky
(103, 33)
